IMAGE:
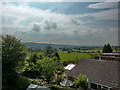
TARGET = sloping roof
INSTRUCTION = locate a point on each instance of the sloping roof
(69, 66)
(98, 71)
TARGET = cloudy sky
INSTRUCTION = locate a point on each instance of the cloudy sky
(74, 23)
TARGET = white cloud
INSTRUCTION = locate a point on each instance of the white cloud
(107, 14)
(21, 13)
(103, 5)
(110, 14)
(60, 27)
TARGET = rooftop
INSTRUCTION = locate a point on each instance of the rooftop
(98, 71)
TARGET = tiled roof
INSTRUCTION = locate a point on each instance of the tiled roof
(98, 71)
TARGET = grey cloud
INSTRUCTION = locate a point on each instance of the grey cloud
(20, 32)
(75, 22)
(50, 25)
(75, 31)
(36, 27)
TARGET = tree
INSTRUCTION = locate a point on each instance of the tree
(104, 49)
(12, 53)
(49, 51)
(57, 55)
(34, 57)
(47, 67)
(81, 82)
(107, 48)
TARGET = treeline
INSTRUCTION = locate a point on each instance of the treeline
(109, 49)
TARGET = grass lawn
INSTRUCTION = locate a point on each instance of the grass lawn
(74, 56)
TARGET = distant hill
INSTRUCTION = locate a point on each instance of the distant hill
(43, 45)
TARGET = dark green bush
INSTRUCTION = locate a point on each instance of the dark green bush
(81, 82)
(58, 80)
(22, 82)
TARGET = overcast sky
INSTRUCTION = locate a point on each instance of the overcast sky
(74, 23)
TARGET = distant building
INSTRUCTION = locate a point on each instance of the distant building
(102, 74)
(110, 56)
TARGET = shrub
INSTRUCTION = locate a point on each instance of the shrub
(37, 81)
(81, 82)
(23, 82)
(58, 80)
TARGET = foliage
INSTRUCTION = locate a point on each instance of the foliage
(58, 80)
(49, 51)
(13, 51)
(29, 69)
(58, 87)
(107, 48)
(41, 67)
(24, 65)
(38, 81)
(47, 67)
(22, 82)
(116, 48)
(34, 57)
(57, 55)
(81, 81)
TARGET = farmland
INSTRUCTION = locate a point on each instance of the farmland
(74, 56)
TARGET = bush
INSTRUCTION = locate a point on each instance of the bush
(23, 82)
(58, 80)
(81, 82)
(38, 82)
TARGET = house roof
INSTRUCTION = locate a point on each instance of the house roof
(69, 66)
(98, 71)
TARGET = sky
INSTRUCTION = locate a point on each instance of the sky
(71, 23)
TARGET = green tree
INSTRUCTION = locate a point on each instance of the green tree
(47, 67)
(34, 58)
(12, 53)
(104, 49)
(49, 51)
(81, 82)
(107, 48)
(57, 55)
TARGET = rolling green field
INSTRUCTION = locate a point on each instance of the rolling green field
(74, 56)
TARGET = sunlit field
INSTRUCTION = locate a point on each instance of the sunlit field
(74, 56)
